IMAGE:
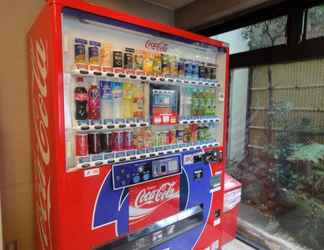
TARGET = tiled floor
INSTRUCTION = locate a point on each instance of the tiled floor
(236, 245)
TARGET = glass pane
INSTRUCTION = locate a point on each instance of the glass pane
(282, 166)
(130, 91)
(315, 22)
(238, 112)
(260, 35)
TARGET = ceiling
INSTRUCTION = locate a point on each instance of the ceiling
(170, 4)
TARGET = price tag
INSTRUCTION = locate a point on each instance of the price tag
(91, 172)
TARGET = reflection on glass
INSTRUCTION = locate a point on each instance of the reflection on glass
(260, 35)
(315, 24)
(282, 168)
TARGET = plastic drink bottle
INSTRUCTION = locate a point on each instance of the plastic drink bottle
(195, 102)
(212, 103)
(201, 102)
(106, 54)
(94, 102)
(106, 99)
(127, 99)
(138, 101)
(117, 93)
(187, 102)
(206, 106)
(81, 100)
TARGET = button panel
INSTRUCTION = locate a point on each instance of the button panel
(133, 173)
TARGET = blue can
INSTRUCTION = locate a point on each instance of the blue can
(188, 68)
(195, 70)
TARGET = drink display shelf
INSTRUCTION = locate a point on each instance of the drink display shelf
(199, 120)
(109, 124)
(139, 154)
(123, 74)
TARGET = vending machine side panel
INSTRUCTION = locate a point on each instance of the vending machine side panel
(42, 77)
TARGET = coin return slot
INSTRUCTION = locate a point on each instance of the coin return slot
(163, 169)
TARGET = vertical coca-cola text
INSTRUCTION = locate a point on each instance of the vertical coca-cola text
(41, 149)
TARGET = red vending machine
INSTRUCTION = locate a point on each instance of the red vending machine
(128, 131)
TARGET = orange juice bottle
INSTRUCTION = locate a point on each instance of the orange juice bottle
(148, 63)
(127, 99)
(138, 101)
(106, 55)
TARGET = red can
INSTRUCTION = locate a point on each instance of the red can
(81, 144)
(105, 142)
(117, 141)
(128, 140)
(94, 143)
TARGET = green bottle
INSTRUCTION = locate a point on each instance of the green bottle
(195, 102)
(210, 103)
(204, 101)
(200, 102)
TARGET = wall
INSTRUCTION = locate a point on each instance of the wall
(15, 154)
(1, 231)
(139, 8)
(201, 12)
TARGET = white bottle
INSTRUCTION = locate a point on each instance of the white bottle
(117, 98)
(106, 96)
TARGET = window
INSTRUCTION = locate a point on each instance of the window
(282, 170)
(276, 123)
(260, 35)
(315, 22)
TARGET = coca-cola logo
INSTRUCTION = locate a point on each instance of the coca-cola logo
(146, 197)
(41, 151)
(157, 46)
